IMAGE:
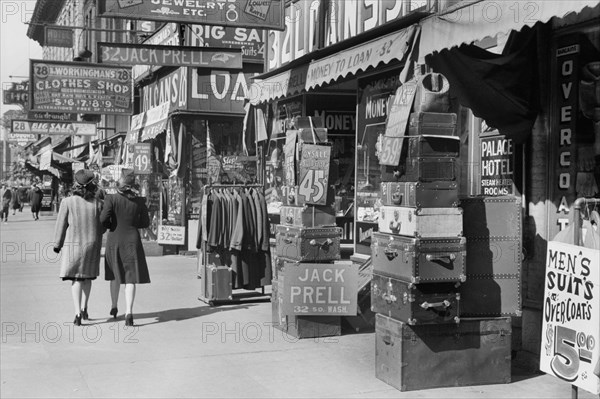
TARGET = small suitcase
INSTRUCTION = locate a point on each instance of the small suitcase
(217, 283)
(421, 222)
(433, 146)
(419, 260)
(439, 194)
(434, 123)
(474, 352)
(301, 326)
(427, 169)
(430, 303)
(307, 216)
(308, 244)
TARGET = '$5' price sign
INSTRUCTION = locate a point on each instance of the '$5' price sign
(142, 159)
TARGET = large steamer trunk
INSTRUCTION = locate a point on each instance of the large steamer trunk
(492, 226)
(474, 352)
(429, 303)
(419, 260)
(439, 194)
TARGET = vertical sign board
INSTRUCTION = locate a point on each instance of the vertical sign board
(313, 181)
(563, 165)
(77, 87)
(570, 348)
(320, 289)
(373, 100)
(142, 158)
(497, 166)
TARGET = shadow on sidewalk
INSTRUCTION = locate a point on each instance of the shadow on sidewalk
(164, 316)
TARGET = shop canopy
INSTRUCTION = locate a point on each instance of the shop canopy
(474, 20)
(149, 124)
(383, 50)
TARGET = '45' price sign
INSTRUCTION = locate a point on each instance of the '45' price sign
(142, 156)
(314, 173)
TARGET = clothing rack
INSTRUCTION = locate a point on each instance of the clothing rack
(224, 278)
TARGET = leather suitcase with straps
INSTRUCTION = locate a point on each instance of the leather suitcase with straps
(308, 244)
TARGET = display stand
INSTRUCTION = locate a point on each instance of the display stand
(216, 279)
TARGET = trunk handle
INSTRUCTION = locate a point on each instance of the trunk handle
(325, 244)
(431, 257)
(390, 253)
(445, 304)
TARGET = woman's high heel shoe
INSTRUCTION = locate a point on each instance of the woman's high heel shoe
(84, 314)
(129, 320)
(77, 320)
(113, 312)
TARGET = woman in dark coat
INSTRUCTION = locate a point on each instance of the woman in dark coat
(35, 200)
(15, 203)
(125, 261)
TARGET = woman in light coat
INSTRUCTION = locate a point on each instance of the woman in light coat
(78, 237)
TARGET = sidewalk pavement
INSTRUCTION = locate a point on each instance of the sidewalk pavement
(180, 347)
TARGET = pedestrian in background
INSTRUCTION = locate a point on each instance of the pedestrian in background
(125, 261)
(78, 230)
(35, 200)
(22, 196)
(6, 197)
(14, 201)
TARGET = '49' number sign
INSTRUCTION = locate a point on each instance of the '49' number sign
(142, 164)
(314, 173)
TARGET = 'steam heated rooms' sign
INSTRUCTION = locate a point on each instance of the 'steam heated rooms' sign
(263, 14)
(80, 88)
(132, 54)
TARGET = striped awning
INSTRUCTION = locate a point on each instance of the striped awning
(473, 20)
(148, 124)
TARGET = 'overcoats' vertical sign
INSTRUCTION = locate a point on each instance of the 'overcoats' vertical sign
(570, 348)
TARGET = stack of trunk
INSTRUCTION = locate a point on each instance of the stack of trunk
(307, 233)
(419, 262)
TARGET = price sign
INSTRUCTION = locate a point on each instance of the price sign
(171, 235)
(401, 105)
(391, 147)
(571, 323)
(142, 164)
(314, 173)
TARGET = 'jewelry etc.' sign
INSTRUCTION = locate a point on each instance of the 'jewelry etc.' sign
(78, 87)
(262, 14)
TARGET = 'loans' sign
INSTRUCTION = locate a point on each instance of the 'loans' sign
(320, 289)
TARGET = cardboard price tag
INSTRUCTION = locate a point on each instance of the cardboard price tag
(314, 173)
(391, 148)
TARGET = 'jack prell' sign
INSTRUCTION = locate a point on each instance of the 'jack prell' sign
(200, 57)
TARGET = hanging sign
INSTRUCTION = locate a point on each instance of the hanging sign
(16, 93)
(497, 166)
(239, 169)
(168, 35)
(52, 116)
(261, 14)
(391, 148)
(171, 235)
(320, 289)
(50, 127)
(80, 88)
(144, 54)
(249, 40)
(570, 348)
(58, 37)
(21, 138)
(314, 174)
(142, 157)
(401, 105)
